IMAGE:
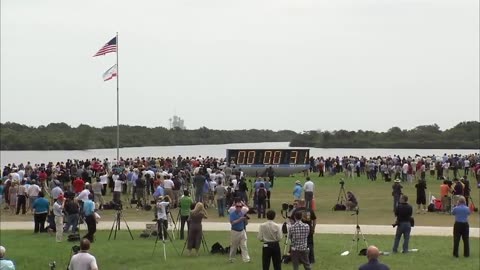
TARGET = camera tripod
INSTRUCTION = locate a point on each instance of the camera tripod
(342, 196)
(356, 235)
(162, 228)
(204, 243)
(116, 225)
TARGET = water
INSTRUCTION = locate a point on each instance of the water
(218, 150)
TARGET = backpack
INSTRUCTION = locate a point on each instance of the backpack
(261, 194)
(217, 248)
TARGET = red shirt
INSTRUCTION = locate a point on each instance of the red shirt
(78, 185)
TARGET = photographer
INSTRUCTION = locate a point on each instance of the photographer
(404, 226)
(308, 217)
(83, 260)
(238, 220)
(185, 204)
(351, 202)
(162, 218)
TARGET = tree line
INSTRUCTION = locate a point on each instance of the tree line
(465, 135)
(61, 136)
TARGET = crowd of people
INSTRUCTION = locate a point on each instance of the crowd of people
(72, 191)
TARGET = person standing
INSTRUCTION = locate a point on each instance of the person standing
(308, 217)
(89, 213)
(445, 197)
(421, 186)
(22, 198)
(40, 210)
(373, 264)
(58, 213)
(32, 193)
(297, 190)
(238, 234)
(162, 219)
(270, 234)
(404, 215)
(298, 235)
(83, 260)
(220, 193)
(309, 188)
(396, 193)
(185, 207)
(72, 210)
(461, 227)
(195, 232)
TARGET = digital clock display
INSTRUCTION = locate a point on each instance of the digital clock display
(268, 156)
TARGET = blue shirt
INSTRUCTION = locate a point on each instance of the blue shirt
(88, 207)
(461, 213)
(159, 192)
(41, 205)
(297, 191)
(240, 226)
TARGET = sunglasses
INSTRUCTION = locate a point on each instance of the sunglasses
(238, 206)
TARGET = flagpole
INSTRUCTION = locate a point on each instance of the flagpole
(118, 109)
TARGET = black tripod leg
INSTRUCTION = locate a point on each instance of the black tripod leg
(204, 243)
(171, 241)
(128, 228)
(156, 241)
(184, 246)
(111, 230)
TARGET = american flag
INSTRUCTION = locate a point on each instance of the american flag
(111, 46)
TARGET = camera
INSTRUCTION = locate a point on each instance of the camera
(342, 182)
(52, 265)
(118, 206)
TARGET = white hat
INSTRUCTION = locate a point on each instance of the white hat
(397, 180)
(2, 251)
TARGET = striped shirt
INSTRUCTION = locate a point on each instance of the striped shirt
(298, 235)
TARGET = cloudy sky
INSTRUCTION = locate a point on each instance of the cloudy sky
(229, 64)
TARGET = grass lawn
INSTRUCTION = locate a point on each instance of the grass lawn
(375, 202)
(37, 251)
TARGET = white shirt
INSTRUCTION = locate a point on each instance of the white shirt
(212, 185)
(104, 179)
(405, 168)
(83, 261)
(83, 195)
(234, 182)
(466, 163)
(308, 186)
(168, 183)
(118, 186)
(161, 211)
(33, 190)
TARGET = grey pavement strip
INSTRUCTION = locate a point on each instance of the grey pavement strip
(253, 227)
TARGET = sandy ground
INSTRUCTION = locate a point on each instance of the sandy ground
(253, 227)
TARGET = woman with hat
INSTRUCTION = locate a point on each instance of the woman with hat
(297, 190)
(396, 193)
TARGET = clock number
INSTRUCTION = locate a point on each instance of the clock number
(277, 156)
(267, 159)
(293, 157)
(251, 157)
(241, 157)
